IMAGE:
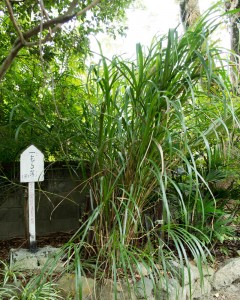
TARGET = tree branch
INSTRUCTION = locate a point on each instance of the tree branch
(10, 11)
(44, 12)
(68, 16)
(23, 39)
(8, 61)
(90, 6)
(49, 36)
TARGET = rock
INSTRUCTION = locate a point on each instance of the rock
(232, 289)
(208, 271)
(195, 273)
(143, 270)
(227, 274)
(67, 285)
(198, 291)
(144, 289)
(27, 263)
(224, 184)
(184, 274)
(106, 292)
(123, 291)
(170, 291)
(22, 259)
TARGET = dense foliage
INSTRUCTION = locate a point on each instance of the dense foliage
(43, 89)
(30, 25)
(155, 134)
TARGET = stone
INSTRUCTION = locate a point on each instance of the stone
(122, 290)
(142, 269)
(182, 273)
(227, 274)
(208, 271)
(144, 289)
(194, 271)
(170, 291)
(106, 293)
(67, 286)
(198, 291)
(23, 259)
(232, 289)
(26, 263)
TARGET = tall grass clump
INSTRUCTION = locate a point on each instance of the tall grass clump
(157, 134)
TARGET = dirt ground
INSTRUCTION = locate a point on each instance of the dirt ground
(54, 240)
(221, 251)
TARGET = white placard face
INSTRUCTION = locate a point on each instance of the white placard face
(31, 165)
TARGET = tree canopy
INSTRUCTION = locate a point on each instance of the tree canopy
(38, 26)
(43, 48)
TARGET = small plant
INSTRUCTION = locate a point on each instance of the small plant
(11, 292)
(31, 291)
(9, 274)
(47, 290)
(15, 287)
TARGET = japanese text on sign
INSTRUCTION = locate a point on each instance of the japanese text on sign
(31, 165)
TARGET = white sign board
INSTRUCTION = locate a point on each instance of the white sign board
(31, 165)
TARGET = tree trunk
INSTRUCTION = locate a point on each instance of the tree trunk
(234, 23)
(189, 12)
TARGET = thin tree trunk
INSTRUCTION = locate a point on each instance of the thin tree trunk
(189, 12)
(234, 23)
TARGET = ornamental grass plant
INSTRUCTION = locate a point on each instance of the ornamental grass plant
(154, 131)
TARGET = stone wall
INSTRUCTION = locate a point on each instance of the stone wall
(60, 200)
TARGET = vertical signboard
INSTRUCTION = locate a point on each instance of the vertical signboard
(31, 171)
(31, 165)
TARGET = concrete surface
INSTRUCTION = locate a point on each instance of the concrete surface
(24, 260)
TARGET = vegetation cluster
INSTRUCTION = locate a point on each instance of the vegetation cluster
(158, 135)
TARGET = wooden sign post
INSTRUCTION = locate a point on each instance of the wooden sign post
(31, 171)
